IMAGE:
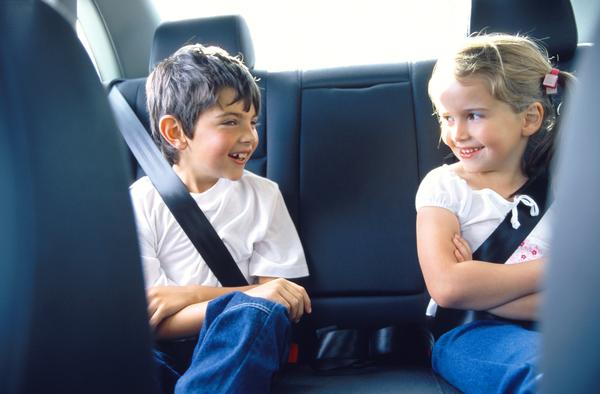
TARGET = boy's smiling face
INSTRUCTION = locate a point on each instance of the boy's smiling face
(225, 137)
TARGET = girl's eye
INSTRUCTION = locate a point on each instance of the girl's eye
(447, 119)
(230, 122)
(254, 123)
(474, 116)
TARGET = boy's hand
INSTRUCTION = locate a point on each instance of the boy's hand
(292, 296)
(462, 250)
(164, 301)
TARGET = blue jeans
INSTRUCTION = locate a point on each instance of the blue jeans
(488, 356)
(243, 342)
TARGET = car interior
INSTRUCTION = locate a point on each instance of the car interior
(72, 292)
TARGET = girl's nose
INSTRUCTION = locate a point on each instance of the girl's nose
(460, 132)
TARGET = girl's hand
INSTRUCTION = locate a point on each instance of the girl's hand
(462, 250)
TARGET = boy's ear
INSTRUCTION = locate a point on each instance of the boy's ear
(533, 117)
(171, 131)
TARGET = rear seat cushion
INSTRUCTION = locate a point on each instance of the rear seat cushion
(382, 380)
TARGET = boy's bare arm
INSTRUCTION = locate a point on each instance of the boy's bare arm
(189, 319)
(186, 322)
(470, 284)
(164, 301)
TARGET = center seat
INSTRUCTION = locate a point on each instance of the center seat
(349, 173)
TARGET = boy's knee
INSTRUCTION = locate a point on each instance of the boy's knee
(239, 300)
(438, 357)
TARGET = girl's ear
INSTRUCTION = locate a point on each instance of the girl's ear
(171, 131)
(533, 117)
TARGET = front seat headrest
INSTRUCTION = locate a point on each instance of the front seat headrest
(228, 32)
(551, 21)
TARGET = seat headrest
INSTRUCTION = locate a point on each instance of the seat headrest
(551, 21)
(228, 32)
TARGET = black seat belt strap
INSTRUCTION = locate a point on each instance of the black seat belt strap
(175, 194)
(502, 243)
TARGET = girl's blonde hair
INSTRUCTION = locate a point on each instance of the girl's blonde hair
(513, 68)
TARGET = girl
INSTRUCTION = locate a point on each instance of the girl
(495, 98)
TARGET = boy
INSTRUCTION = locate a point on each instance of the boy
(203, 107)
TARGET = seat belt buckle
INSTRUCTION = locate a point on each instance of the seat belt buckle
(293, 353)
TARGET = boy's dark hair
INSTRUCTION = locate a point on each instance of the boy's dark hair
(188, 82)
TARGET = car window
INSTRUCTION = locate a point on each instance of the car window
(586, 12)
(313, 34)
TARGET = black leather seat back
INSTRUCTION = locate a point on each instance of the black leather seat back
(72, 302)
(229, 32)
(550, 21)
(346, 153)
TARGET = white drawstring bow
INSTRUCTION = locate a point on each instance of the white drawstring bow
(525, 199)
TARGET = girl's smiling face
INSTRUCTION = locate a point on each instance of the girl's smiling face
(484, 133)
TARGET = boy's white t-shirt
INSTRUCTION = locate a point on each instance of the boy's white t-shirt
(249, 215)
(479, 212)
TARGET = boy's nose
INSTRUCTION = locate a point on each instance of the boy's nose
(250, 135)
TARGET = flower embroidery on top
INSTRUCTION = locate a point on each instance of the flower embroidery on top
(525, 252)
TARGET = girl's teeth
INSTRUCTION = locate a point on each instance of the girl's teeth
(470, 150)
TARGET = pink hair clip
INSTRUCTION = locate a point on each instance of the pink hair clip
(551, 81)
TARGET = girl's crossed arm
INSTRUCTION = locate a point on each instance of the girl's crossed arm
(469, 284)
(524, 308)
